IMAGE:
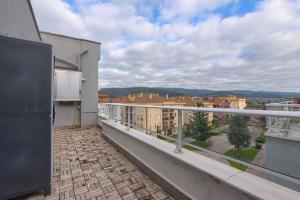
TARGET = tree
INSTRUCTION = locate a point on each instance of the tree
(198, 126)
(238, 133)
(187, 130)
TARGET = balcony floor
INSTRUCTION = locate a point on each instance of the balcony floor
(88, 167)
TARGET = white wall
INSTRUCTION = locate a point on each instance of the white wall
(69, 49)
(17, 20)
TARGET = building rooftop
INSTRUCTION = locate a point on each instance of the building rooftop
(156, 99)
(85, 166)
(70, 37)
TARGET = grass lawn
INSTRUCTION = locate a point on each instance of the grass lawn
(201, 143)
(246, 155)
(166, 139)
(190, 148)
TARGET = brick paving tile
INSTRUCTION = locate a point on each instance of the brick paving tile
(136, 186)
(87, 167)
(160, 195)
(129, 196)
(143, 194)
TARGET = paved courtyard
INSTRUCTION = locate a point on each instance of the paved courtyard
(88, 167)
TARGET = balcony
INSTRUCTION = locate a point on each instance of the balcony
(187, 170)
(117, 162)
(86, 166)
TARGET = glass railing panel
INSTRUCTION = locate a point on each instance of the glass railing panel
(266, 146)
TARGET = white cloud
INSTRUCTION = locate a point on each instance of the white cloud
(57, 16)
(185, 9)
(258, 50)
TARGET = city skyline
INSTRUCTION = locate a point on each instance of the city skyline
(219, 45)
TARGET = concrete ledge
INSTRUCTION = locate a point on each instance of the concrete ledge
(188, 175)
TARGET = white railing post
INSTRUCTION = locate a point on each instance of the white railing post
(128, 117)
(106, 111)
(109, 112)
(179, 132)
(146, 120)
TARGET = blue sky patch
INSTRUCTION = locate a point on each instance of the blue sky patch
(238, 8)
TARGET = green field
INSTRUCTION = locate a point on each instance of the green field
(202, 143)
(246, 155)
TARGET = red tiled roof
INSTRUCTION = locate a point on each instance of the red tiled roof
(222, 102)
(120, 100)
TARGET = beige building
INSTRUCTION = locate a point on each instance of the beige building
(239, 103)
(229, 101)
(164, 121)
(151, 120)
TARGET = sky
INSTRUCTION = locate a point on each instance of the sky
(202, 44)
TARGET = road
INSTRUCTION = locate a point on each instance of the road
(220, 143)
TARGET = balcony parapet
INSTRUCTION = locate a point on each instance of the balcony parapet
(189, 175)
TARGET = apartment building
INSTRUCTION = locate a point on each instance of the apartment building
(151, 120)
(157, 120)
(192, 102)
(239, 103)
(165, 122)
(230, 101)
(187, 115)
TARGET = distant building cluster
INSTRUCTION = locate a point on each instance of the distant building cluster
(103, 98)
(230, 101)
(166, 121)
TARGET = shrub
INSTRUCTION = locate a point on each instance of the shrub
(261, 138)
(258, 145)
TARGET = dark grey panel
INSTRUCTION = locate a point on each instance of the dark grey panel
(25, 116)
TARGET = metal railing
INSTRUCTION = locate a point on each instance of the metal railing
(113, 111)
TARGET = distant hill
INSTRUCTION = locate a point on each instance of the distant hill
(123, 92)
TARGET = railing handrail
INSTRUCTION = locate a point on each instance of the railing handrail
(270, 113)
(282, 105)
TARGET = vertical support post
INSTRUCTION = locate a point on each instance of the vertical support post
(109, 112)
(118, 118)
(113, 112)
(106, 110)
(128, 117)
(146, 120)
(179, 132)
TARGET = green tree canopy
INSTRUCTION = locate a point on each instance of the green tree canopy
(198, 127)
(238, 134)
